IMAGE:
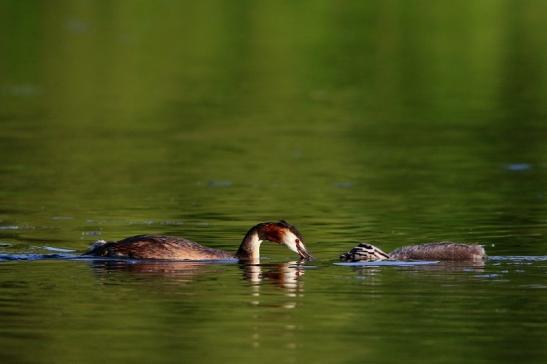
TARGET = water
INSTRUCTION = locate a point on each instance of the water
(389, 122)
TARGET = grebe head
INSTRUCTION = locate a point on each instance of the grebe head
(364, 251)
(284, 233)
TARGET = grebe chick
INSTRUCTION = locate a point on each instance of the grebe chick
(176, 248)
(444, 250)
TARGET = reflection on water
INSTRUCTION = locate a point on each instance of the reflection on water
(119, 269)
(396, 122)
(287, 276)
(444, 268)
(264, 306)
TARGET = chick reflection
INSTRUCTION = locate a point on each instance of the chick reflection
(458, 266)
(443, 269)
(283, 275)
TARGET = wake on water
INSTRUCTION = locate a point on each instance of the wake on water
(70, 254)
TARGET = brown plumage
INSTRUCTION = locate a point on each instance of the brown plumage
(431, 251)
(177, 248)
(157, 247)
(439, 251)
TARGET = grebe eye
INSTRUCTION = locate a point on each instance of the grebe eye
(297, 241)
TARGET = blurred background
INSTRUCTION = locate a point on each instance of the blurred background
(392, 122)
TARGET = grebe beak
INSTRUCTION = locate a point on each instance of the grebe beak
(289, 236)
(301, 250)
(296, 245)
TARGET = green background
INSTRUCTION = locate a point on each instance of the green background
(393, 122)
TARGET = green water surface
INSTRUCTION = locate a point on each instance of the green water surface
(393, 122)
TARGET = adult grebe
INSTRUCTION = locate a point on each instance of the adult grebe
(444, 250)
(176, 248)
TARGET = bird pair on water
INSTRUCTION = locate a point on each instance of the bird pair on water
(177, 248)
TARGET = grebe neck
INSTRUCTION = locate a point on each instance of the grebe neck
(250, 246)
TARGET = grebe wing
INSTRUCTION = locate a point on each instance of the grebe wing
(159, 247)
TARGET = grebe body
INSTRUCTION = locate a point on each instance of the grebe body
(177, 248)
(431, 251)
